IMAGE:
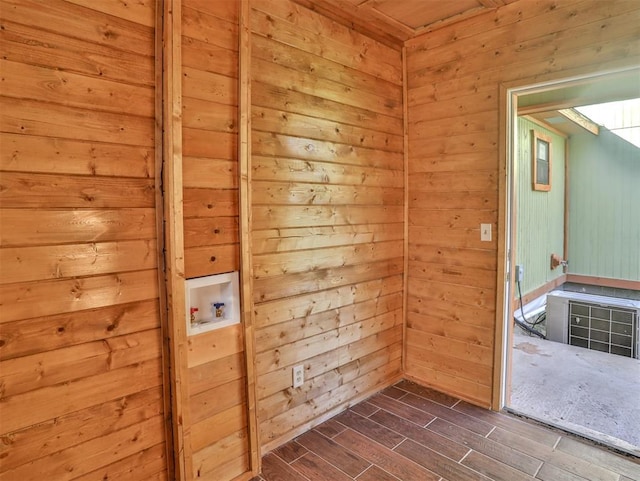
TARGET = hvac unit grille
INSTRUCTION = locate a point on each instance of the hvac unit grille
(607, 329)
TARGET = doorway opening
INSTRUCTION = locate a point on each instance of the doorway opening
(572, 290)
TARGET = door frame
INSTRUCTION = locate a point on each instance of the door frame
(507, 149)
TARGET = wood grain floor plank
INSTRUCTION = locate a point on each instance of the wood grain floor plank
(371, 429)
(421, 435)
(317, 469)
(521, 443)
(330, 428)
(510, 423)
(626, 466)
(290, 452)
(364, 409)
(439, 464)
(393, 392)
(581, 467)
(275, 469)
(459, 419)
(505, 454)
(390, 461)
(427, 393)
(374, 473)
(334, 453)
(549, 472)
(494, 469)
(404, 411)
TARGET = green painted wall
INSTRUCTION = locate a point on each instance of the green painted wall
(604, 203)
(539, 215)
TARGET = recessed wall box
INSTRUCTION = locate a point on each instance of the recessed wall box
(206, 294)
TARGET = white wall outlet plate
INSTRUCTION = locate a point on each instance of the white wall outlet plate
(298, 375)
(519, 273)
(485, 232)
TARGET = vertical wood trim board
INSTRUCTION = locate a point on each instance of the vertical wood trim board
(405, 146)
(160, 233)
(504, 191)
(175, 276)
(246, 260)
(81, 362)
(327, 195)
(454, 75)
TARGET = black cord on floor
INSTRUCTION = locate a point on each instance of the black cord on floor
(526, 325)
(539, 320)
(530, 330)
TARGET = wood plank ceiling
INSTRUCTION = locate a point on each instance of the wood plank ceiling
(399, 20)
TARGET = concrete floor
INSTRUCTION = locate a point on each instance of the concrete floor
(590, 393)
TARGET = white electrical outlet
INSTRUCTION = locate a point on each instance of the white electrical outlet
(519, 273)
(298, 375)
(485, 232)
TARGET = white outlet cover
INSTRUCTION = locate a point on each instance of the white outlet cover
(298, 375)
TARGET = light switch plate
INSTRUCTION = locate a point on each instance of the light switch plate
(485, 232)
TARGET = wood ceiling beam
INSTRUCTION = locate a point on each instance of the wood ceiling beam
(453, 19)
(546, 125)
(547, 107)
(579, 119)
(492, 3)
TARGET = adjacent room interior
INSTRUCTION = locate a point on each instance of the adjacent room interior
(239, 236)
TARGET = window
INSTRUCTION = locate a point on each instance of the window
(541, 161)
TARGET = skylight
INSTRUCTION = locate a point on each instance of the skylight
(621, 118)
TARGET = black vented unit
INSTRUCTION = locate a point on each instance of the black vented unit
(603, 328)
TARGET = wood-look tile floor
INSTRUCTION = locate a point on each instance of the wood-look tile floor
(411, 433)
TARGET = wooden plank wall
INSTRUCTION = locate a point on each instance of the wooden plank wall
(210, 136)
(453, 83)
(80, 342)
(327, 239)
(218, 444)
